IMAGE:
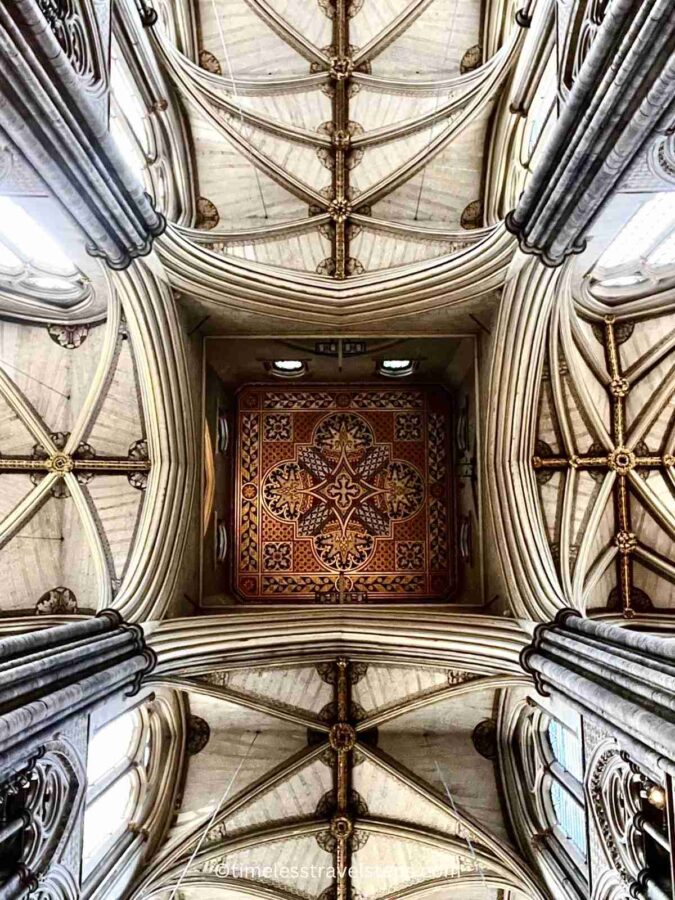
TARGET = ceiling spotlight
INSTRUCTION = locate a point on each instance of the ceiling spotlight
(396, 368)
(656, 796)
(288, 368)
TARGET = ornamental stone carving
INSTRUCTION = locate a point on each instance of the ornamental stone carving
(613, 787)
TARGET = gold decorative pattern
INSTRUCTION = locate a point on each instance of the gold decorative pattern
(621, 459)
(343, 483)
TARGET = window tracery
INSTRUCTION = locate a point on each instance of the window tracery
(129, 123)
(570, 816)
(642, 254)
(116, 774)
(32, 262)
(550, 768)
(136, 127)
(615, 793)
(132, 773)
(39, 806)
(543, 111)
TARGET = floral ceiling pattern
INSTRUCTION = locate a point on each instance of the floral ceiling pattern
(344, 483)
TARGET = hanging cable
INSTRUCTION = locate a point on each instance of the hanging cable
(237, 101)
(209, 824)
(453, 805)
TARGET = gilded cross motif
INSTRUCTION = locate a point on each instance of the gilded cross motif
(83, 463)
(332, 481)
(343, 490)
(620, 459)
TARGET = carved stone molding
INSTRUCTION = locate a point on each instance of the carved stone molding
(63, 132)
(613, 787)
(57, 602)
(46, 796)
(198, 734)
(614, 105)
(69, 337)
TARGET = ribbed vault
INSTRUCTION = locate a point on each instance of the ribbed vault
(94, 462)
(366, 771)
(591, 476)
(345, 155)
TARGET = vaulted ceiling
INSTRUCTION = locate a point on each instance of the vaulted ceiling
(69, 395)
(401, 755)
(603, 458)
(352, 133)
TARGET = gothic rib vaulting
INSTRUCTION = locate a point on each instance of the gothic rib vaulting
(337, 449)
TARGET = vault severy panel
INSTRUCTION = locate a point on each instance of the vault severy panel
(304, 18)
(388, 797)
(448, 183)
(298, 688)
(235, 35)
(378, 250)
(247, 197)
(118, 506)
(55, 380)
(373, 18)
(435, 743)
(304, 251)
(265, 857)
(232, 729)
(118, 422)
(409, 861)
(383, 686)
(14, 436)
(438, 38)
(306, 109)
(14, 489)
(295, 800)
(50, 551)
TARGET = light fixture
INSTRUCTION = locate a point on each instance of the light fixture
(656, 796)
(396, 368)
(222, 432)
(287, 368)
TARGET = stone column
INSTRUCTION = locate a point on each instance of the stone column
(623, 680)
(50, 681)
(624, 87)
(51, 675)
(54, 107)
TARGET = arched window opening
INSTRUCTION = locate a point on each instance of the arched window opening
(133, 764)
(107, 817)
(113, 745)
(31, 261)
(134, 129)
(565, 789)
(129, 124)
(544, 766)
(116, 775)
(642, 254)
(543, 110)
